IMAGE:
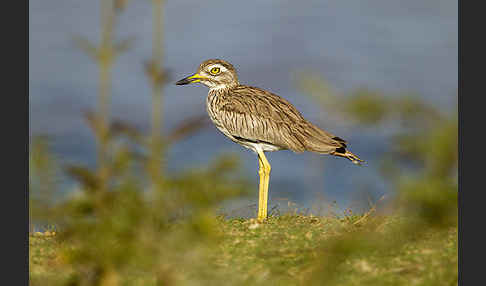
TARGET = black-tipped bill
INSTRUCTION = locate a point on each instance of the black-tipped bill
(190, 79)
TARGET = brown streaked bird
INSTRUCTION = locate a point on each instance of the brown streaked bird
(260, 121)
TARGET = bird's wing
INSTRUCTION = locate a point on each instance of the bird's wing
(258, 115)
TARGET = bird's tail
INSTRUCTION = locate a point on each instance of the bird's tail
(342, 152)
(320, 141)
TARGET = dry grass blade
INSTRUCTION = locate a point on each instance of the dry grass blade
(369, 212)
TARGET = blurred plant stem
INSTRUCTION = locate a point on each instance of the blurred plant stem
(105, 61)
(156, 74)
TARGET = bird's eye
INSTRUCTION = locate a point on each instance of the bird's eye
(215, 70)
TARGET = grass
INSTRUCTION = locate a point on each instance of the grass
(295, 249)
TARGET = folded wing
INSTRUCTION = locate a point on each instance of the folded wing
(260, 116)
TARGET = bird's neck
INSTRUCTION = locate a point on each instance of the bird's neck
(221, 89)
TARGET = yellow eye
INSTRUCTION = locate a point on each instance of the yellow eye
(215, 70)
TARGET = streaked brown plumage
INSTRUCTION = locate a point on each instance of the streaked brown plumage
(260, 120)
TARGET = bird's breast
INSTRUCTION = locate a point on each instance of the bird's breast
(211, 107)
(212, 102)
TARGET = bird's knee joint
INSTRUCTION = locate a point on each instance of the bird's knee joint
(268, 169)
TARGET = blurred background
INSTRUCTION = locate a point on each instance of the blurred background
(130, 184)
(388, 48)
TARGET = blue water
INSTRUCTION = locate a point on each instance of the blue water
(389, 45)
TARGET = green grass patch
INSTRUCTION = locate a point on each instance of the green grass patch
(293, 250)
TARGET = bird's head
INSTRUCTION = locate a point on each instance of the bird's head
(215, 74)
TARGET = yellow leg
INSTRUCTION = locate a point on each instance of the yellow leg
(264, 173)
(261, 173)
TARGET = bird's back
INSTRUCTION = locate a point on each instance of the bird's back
(246, 113)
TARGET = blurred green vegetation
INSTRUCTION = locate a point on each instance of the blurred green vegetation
(132, 223)
(421, 161)
(420, 166)
(128, 217)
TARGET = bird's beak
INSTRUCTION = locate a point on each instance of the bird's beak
(190, 79)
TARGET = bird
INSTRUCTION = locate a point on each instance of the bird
(260, 121)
